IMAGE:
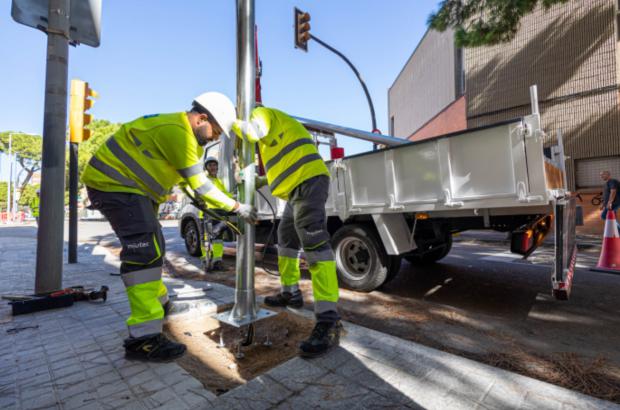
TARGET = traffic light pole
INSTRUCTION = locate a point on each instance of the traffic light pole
(357, 74)
(50, 232)
(73, 192)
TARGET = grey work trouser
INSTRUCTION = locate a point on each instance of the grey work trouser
(304, 225)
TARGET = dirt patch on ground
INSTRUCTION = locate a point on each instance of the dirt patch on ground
(276, 340)
(594, 377)
(486, 339)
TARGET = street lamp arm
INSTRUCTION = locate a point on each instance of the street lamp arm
(359, 77)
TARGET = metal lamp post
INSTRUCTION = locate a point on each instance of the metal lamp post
(245, 310)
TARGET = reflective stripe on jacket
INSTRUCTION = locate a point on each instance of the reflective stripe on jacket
(287, 150)
(149, 156)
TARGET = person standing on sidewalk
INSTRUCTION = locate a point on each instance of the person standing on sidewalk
(34, 206)
(611, 200)
(219, 228)
(297, 174)
(128, 177)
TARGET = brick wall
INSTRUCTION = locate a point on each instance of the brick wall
(570, 52)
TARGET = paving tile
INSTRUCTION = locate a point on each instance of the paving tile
(160, 397)
(333, 392)
(260, 393)
(80, 401)
(64, 371)
(70, 390)
(296, 373)
(141, 378)
(8, 401)
(43, 401)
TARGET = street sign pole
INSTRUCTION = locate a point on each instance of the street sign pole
(73, 192)
(50, 233)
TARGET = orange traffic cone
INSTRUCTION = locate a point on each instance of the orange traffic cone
(609, 260)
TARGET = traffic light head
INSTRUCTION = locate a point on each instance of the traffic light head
(81, 102)
(302, 29)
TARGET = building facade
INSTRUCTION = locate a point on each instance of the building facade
(569, 51)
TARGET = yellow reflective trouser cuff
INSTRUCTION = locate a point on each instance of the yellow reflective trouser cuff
(289, 270)
(217, 250)
(144, 289)
(163, 294)
(324, 285)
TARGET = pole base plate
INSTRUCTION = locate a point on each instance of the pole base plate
(225, 317)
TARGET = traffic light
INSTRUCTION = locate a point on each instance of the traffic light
(302, 29)
(80, 103)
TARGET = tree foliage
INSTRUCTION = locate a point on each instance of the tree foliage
(28, 194)
(484, 22)
(100, 131)
(27, 149)
(3, 196)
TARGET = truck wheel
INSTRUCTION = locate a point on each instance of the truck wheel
(431, 254)
(394, 267)
(361, 260)
(191, 234)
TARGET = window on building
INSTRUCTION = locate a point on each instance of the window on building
(588, 171)
(392, 125)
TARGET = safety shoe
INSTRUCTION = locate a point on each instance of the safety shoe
(324, 336)
(284, 299)
(217, 265)
(156, 348)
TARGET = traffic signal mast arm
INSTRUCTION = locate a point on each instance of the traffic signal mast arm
(303, 35)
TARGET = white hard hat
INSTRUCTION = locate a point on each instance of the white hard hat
(211, 159)
(220, 107)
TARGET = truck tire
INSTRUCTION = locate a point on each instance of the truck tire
(191, 234)
(361, 261)
(394, 267)
(431, 255)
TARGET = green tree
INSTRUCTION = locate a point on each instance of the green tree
(29, 192)
(3, 196)
(27, 149)
(484, 22)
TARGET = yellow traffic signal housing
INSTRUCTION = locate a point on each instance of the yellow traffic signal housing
(302, 29)
(80, 102)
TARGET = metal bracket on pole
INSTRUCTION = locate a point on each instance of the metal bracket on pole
(245, 311)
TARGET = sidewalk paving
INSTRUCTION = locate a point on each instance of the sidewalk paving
(74, 359)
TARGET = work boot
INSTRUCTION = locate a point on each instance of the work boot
(154, 348)
(217, 265)
(325, 335)
(284, 299)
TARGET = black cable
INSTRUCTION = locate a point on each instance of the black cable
(212, 214)
(269, 237)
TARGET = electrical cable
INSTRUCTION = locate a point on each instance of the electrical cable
(212, 214)
(269, 237)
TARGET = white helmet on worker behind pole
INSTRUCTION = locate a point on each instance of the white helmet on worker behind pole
(211, 159)
(220, 107)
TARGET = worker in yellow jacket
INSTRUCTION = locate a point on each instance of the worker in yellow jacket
(297, 174)
(219, 228)
(127, 179)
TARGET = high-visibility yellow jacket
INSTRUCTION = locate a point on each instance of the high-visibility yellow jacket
(149, 156)
(34, 206)
(219, 184)
(287, 150)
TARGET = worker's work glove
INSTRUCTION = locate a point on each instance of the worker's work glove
(246, 131)
(260, 181)
(246, 212)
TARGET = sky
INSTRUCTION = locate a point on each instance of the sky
(156, 56)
